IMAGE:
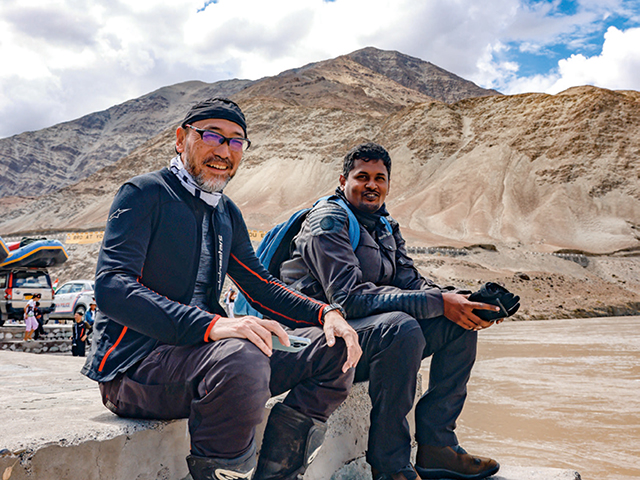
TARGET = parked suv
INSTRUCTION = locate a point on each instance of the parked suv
(18, 285)
(72, 297)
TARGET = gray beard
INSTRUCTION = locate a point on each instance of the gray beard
(214, 185)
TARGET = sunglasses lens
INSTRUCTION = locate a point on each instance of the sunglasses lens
(236, 144)
(212, 138)
(215, 139)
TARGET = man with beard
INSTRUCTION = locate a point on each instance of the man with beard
(401, 318)
(164, 347)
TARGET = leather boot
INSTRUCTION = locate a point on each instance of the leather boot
(291, 442)
(407, 473)
(207, 468)
(453, 462)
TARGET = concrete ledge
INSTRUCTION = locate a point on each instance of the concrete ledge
(360, 470)
(54, 427)
(346, 438)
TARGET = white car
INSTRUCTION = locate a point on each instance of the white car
(72, 297)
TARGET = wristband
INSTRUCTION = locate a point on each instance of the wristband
(331, 308)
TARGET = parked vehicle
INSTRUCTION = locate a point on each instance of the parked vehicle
(72, 297)
(18, 285)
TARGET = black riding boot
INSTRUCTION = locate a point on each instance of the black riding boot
(291, 442)
(207, 468)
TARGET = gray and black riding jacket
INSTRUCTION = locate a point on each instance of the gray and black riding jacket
(378, 276)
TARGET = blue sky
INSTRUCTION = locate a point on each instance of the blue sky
(65, 58)
(587, 40)
(582, 32)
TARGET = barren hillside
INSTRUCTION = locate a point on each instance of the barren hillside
(547, 171)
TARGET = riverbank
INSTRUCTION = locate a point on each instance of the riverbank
(550, 286)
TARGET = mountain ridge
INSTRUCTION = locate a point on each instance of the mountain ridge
(549, 171)
(57, 156)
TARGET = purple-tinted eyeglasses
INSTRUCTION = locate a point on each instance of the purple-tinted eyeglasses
(237, 144)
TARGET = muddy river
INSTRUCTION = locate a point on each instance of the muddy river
(558, 393)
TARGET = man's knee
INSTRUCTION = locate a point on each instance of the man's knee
(387, 339)
(243, 370)
(323, 358)
(441, 333)
(399, 330)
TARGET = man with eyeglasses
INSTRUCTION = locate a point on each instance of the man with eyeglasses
(164, 347)
(401, 318)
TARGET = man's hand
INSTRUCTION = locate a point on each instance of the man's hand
(336, 326)
(257, 330)
(459, 310)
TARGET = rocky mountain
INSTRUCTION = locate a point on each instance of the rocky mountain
(549, 172)
(49, 159)
(416, 74)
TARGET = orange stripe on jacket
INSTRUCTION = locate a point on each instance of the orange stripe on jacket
(269, 282)
(113, 347)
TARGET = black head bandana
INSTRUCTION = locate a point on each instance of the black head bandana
(216, 108)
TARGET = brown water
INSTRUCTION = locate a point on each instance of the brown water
(559, 393)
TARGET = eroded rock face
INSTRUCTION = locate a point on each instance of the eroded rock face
(36, 163)
(545, 171)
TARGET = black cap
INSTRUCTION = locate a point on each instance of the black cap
(216, 108)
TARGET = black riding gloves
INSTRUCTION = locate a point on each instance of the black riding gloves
(495, 294)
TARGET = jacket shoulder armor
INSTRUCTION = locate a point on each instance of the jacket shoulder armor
(146, 179)
(326, 217)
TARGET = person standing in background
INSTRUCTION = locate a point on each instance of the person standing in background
(230, 300)
(30, 322)
(79, 336)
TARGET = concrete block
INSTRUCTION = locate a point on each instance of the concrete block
(347, 434)
(535, 473)
(360, 470)
(54, 427)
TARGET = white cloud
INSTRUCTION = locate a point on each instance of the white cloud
(65, 58)
(617, 67)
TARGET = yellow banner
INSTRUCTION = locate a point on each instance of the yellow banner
(94, 237)
(256, 235)
(84, 237)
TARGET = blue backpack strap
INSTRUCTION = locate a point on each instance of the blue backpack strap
(354, 225)
(387, 224)
(271, 245)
